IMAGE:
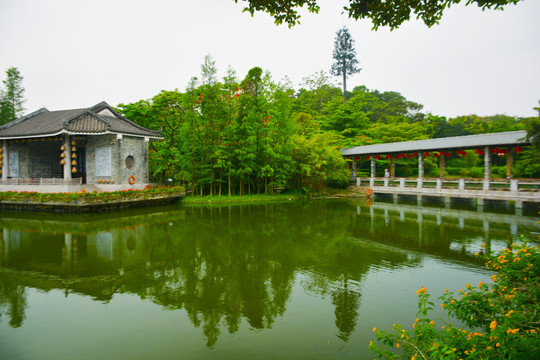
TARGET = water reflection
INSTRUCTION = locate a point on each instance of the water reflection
(226, 265)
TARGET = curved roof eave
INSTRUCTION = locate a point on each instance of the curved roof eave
(57, 133)
(508, 138)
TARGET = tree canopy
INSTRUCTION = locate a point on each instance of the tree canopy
(380, 12)
(345, 57)
(11, 96)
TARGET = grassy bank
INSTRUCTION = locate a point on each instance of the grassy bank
(224, 199)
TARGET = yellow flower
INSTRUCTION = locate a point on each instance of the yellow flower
(467, 284)
(493, 325)
(442, 305)
(446, 290)
(397, 345)
(422, 290)
(374, 329)
(480, 283)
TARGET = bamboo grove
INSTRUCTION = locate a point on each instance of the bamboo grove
(234, 137)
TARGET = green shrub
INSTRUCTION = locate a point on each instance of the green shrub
(501, 319)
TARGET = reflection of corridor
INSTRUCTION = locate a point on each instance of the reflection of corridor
(476, 223)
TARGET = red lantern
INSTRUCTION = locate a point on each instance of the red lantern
(436, 155)
(377, 157)
(447, 154)
(517, 149)
(495, 150)
(409, 156)
(415, 154)
(442, 153)
(426, 154)
(357, 158)
(368, 157)
(388, 156)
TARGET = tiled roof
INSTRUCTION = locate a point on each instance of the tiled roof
(98, 119)
(508, 138)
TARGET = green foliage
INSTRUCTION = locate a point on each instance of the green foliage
(380, 12)
(501, 320)
(11, 96)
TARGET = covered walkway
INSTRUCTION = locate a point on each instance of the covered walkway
(499, 144)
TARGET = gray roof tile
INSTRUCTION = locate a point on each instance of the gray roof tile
(75, 121)
(508, 138)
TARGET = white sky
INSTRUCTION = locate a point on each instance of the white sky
(76, 53)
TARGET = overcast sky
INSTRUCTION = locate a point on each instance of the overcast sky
(76, 53)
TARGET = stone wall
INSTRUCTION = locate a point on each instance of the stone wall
(121, 149)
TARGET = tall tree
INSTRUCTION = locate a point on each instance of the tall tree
(345, 56)
(381, 12)
(11, 98)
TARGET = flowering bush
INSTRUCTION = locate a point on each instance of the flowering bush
(500, 320)
(81, 196)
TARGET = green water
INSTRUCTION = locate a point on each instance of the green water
(295, 280)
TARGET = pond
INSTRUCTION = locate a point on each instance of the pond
(293, 280)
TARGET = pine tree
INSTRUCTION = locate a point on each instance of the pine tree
(11, 98)
(345, 56)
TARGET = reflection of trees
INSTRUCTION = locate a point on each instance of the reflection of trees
(224, 265)
(347, 303)
(12, 301)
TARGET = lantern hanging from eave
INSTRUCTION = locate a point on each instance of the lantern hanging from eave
(377, 157)
(426, 154)
(389, 156)
(357, 158)
(447, 154)
(368, 157)
(436, 155)
(415, 154)
(518, 149)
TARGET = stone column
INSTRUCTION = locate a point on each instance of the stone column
(420, 165)
(67, 165)
(118, 178)
(392, 165)
(487, 163)
(442, 165)
(372, 166)
(4, 159)
(354, 164)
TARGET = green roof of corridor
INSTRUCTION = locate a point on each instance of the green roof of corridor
(509, 138)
